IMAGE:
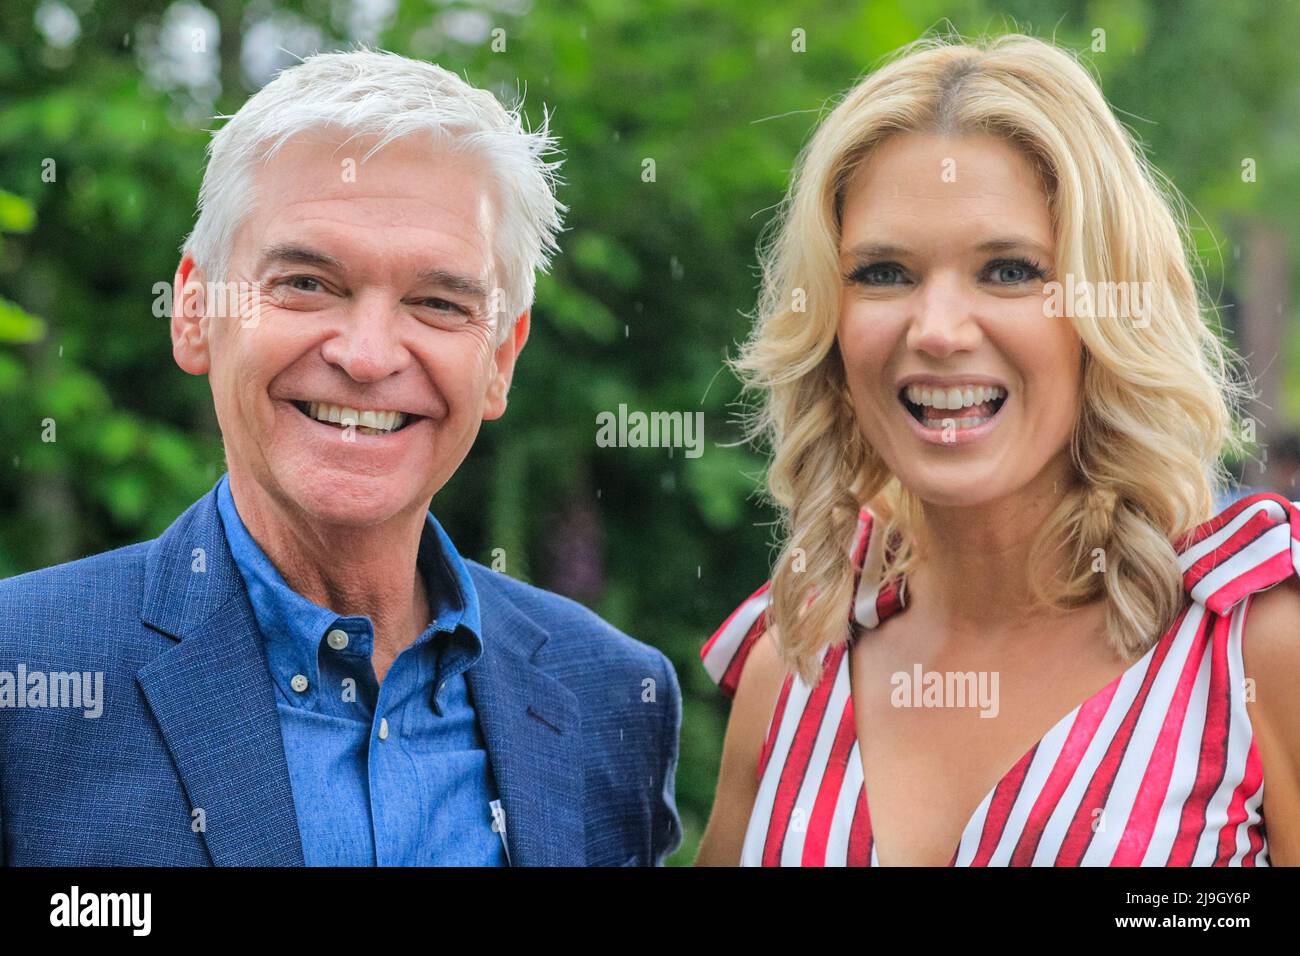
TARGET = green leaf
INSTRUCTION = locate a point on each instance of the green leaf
(117, 437)
(12, 375)
(17, 325)
(573, 310)
(125, 494)
(16, 213)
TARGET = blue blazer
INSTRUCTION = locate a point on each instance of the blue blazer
(580, 721)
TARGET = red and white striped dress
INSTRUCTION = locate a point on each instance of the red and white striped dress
(1164, 757)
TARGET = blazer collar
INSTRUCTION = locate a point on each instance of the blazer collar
(531, 725)
(212, 695)
(215, 704)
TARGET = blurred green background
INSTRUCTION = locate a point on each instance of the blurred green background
(103, 112)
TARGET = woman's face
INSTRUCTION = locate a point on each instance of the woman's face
(957, 378)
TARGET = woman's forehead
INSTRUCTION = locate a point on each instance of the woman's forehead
(921, 189)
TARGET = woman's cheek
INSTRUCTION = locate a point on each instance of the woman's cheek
(861, 339)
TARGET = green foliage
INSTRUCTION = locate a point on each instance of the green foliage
(651, 290)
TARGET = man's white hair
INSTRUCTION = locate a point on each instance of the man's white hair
(365, 92)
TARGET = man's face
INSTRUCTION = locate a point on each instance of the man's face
(374, 292)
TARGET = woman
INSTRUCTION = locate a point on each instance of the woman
(1003, 627)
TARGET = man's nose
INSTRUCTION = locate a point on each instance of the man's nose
(369, 346)
(944, 318)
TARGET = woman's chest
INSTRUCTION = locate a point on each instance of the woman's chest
(932, 759)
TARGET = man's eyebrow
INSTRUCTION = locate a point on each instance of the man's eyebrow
(884, 250)
(291, 254)
(454, 282)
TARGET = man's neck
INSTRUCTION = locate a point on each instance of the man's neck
(353, 571)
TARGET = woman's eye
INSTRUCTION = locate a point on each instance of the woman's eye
(1014, 271)
(878, 273)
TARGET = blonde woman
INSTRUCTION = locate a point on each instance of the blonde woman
(1005, 626)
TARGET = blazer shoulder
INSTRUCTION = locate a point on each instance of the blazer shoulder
(100, 586)
(106, 569)
(573, 628)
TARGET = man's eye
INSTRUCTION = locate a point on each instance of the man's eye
(442, 305)
(877, 273)
(304, 284)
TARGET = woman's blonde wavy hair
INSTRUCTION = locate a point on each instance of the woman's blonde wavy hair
(1157, 401)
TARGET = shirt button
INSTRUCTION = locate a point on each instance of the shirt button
(383, 728)
(337, 639)
(299, 682)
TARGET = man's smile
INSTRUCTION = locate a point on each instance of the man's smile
(370, 421)
(373, 424)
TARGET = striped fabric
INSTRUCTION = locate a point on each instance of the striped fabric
(1159, 768)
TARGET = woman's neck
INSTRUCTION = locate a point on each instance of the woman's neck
(973, 567)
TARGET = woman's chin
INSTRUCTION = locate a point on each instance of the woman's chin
(952, 488)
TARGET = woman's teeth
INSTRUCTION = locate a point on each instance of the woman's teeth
(982, 401)
(957, 397)
(368, 422)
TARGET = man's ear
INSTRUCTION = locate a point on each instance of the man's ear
(190, 343)
(504, 361)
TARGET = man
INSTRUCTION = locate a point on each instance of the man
(302, 669)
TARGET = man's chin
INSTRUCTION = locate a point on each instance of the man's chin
(339, 498)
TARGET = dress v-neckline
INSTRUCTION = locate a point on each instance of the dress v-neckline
(856, 744)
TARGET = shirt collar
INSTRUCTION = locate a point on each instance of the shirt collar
(293, 626)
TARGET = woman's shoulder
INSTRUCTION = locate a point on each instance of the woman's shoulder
(726, 652)
(1245, 564)
(1250, 546)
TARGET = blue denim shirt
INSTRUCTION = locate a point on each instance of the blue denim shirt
(391, 774)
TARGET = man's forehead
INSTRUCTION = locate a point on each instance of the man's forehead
(409, 182)
(404, 209)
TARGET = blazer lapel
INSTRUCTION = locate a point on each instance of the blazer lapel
(213, 698)
(531, 725)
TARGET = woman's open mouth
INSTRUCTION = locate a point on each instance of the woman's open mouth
(374, 422)
(953, 415)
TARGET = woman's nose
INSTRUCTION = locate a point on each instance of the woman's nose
(943, 320)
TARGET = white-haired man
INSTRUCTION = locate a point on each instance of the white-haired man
(302, 669)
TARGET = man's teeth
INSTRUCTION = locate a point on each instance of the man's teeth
(957, 397)
(378, 421)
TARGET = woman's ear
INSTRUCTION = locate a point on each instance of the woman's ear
(504, 361)
(189, 326)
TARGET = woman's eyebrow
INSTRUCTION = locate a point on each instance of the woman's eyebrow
(885, 250)
(875, 250)
(1013, 243)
